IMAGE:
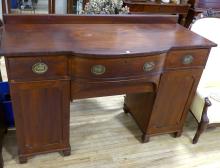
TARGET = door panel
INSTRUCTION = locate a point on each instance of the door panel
(42, 113)
(176, 89)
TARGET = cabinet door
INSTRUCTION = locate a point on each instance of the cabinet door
(41, 115)
(175, 94)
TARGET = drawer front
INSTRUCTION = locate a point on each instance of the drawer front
(187, 58)
(167, 9)
(150, 9)
(140, 8)
(86, 89)
(116, 67)
(182, 9)
(37, 68)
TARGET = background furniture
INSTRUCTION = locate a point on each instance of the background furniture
(198, 7)
(2, 121)
(159, 75)
(27, 5)
(206, 103)
(54, 6)
(6, 7)
(148, 7)
(72, 5)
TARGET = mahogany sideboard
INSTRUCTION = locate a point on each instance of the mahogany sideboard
(52, 60)
(157, 7)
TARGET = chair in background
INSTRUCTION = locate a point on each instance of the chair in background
(205, 106)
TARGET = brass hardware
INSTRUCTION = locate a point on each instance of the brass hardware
(98, 69)
(40, 68)
(187, 59)
(149, 66)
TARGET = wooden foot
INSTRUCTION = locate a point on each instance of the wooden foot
(67, 152)
(204, 121)
(125, 108)
(6, 130)
(145, 138)
(195, 139)
(201, 128)
(1, 161)
(177, 134)
(22, 159)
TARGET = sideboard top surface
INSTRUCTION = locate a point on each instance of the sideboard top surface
(97, 40)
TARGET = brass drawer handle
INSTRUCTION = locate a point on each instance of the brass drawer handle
(187, 59)
(149, 66)
(98, 69)
(40, 68)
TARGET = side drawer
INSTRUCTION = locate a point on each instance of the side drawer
(186, 58)
(37, 68)
(115, 68)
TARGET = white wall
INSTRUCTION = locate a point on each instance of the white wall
(61, 7)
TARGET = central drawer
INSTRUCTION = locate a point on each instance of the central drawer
(115, 68)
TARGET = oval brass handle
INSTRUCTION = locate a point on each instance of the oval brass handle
(98, 69)
(187, 59)
(40, 68)
(149, 66)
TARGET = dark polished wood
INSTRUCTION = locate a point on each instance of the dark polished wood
(200, 57)
(51, 6)
(58, 68)
(203, 124)
(70, 4)
(65, 39)
(158, 66)
(41, 128)
(6, 6)
(167, 115)
(89, 19)
(147, 7)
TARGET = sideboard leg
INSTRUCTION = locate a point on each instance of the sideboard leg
(23, 159)
(66, 152)
(177, 134)
(6, 130)
(145, 138)
(125, 108)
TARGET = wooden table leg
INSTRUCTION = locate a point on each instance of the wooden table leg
(1, 158)
(182, 19)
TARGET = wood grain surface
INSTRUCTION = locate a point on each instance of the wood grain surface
(160, 64)
(97, 40)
